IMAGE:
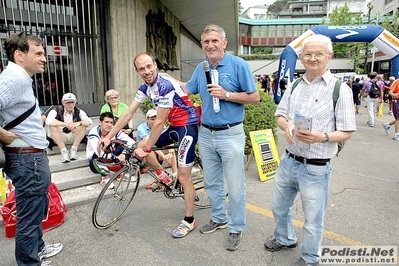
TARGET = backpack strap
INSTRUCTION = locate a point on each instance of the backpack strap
(296, 82)
(337, 87)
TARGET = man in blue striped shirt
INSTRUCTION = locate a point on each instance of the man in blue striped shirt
(26, 159)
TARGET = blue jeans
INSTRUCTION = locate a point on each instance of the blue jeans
(311, 181)
(31, 177)
(222, 154)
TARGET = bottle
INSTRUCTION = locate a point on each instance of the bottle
(3, 188)
(164, 177)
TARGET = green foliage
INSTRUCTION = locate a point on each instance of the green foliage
(259, 117)
(277, 6)
(147, 105)
(259, 57)
(392, 27)
(262, 50)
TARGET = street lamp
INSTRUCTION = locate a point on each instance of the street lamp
(369, 8)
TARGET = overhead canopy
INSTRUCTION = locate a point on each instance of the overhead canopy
(194, 15)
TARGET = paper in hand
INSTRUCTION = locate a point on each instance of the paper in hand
(302, 123)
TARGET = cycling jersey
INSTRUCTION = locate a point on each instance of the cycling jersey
(165, 92)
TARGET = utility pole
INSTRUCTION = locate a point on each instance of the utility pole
(369, 8)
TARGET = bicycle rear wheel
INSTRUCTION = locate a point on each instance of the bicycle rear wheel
(113, 202)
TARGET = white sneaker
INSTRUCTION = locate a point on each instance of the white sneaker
(64, 156)
(396, 137)
(50, 250)
(73, 154)
(104, 180)
(387, 127)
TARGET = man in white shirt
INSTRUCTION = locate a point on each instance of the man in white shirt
(106, 122)
(68, 125)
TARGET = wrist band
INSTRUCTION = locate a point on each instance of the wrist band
(145, 149)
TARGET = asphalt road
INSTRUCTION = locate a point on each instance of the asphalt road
(363, 210)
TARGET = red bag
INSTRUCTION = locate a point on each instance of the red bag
(55, 215)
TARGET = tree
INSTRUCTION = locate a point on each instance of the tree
(342, 16)
(277, 6)
(392, 27)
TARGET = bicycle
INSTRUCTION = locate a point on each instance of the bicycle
(118, 193)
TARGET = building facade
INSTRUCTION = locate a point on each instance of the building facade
(91, 44)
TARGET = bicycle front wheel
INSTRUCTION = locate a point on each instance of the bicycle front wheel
(115, 197)
(201, 200)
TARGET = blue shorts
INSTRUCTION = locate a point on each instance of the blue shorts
(356, 101)
(186, 136)
(395, 108)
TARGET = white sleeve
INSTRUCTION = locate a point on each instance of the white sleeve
(83, 116)
(51, 117)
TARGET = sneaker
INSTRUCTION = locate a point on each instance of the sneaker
(105, 180)
(154, 185)
(390, 113)
(396, 137)
(45, 263)
(184, 228)
(233, 241)
(387, 127)
(64, 156)
(73, 154)
(302, 262)
(369, 124)
(49, 250)
(212, 227)
(273, 245)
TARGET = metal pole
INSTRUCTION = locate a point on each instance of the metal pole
(369, 6)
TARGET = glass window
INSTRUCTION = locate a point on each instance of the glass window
(272, 31)
(280, 30)
(297, 30)
(255, 31)
(263, 31)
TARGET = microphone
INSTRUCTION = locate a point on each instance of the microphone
(205, 66)
(212, 79)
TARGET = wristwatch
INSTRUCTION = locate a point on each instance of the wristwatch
(327, 138)
(227, 96)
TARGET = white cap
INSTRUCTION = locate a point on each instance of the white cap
(151, 113)
(69, 97)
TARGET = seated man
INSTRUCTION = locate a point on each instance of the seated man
(106, 122)
(168, 155)
(67, 125)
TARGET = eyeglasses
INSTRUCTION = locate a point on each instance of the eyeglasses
(316, 55)
(113, 98)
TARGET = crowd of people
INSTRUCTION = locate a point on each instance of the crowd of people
(378, 104)
(220, 136)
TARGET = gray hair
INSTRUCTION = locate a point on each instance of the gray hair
(318, 38)
(216, 28)
(109, 93)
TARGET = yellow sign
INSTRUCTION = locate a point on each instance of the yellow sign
(266, 153)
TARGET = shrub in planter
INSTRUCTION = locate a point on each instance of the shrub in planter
(258, 117)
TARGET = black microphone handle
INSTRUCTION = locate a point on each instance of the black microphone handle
(208, 77)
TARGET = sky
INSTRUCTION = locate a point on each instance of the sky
(248, 3)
